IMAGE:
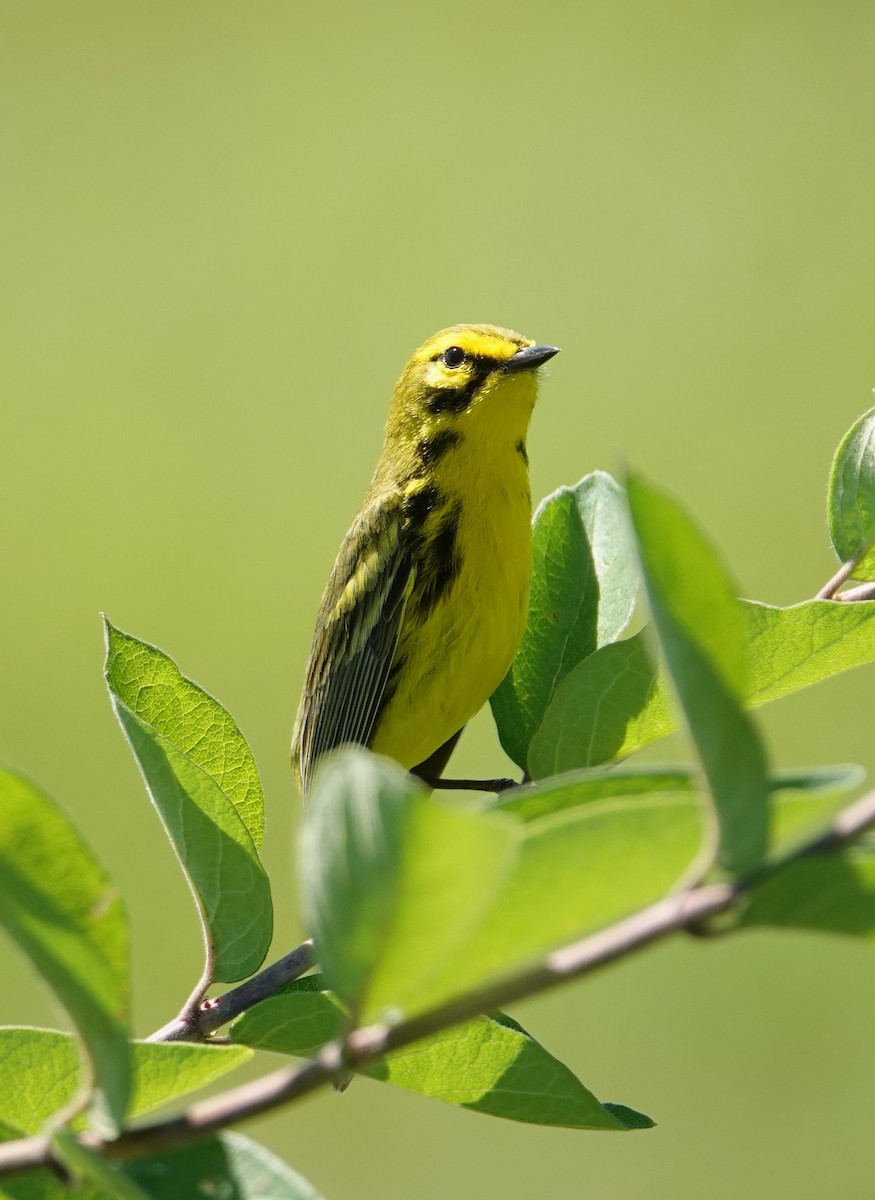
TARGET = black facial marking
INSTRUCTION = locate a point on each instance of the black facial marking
(522, 452)
(455, 398)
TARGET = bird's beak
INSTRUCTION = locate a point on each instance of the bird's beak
(530, 357)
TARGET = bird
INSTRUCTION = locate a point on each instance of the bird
(427, 601)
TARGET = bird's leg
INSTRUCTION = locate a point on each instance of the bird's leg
(430, 773)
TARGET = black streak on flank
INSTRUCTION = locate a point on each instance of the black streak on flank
(420, 503)
(442, 562)
(522, 452)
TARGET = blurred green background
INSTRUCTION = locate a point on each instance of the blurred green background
(224, 229)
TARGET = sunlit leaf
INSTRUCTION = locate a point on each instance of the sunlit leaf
(39, 1073)
(59, 905)
(205, 825)
(489, 1064)
(392, 880)
(702, 632)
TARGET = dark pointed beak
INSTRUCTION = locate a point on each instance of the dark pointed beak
(530, 357)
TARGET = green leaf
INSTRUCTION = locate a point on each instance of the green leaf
(834, 893)
(297, 1020)
(492, 1065)
(804, 794)
(578, 871)
(39, 1073)
(489, 1064)
(851, 502)
(372, 846)
(618, 700)
(228, 1167)
(791, 648)
(161, 712)
(150, 684)
(412, 902)
(612, 703)
(804, 801)
(41, 1184)
(582, 787)
(164, 1071)
(86, 1166)
(59, 905)
(702, 631)
(583, 591)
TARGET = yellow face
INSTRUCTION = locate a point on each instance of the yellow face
(458, 367)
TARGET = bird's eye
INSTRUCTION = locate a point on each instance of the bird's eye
(453, 356)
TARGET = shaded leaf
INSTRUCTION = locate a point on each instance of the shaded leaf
(208, 832)
(584, 583)
(88, 1167)
(834, 893)
(851, 501)
(59, 905)
(228, 1167)
(298, 1020)
(609, 705)
(702, 632)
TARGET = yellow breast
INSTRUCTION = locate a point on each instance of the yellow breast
(453, 653)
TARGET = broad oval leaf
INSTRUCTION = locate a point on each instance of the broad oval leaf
(489, 1064)
(61, 908)
(228, 1166)
(612, 703)
(207, 828)
(40, 1075)
(577, 872)
(851, 501)
(831, 893)
(618, 700)
(584, 584)
(701, 629)
(373, 846)
(150, 684)
(793, 647)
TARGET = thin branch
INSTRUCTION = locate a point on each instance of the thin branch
(865, 591)
(687, 910)
(212, 1014)
(828, 591)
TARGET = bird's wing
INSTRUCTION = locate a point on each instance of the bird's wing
(357, 631)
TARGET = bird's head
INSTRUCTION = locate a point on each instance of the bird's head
(467, 374)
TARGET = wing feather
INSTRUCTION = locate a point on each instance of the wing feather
(357, 631)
